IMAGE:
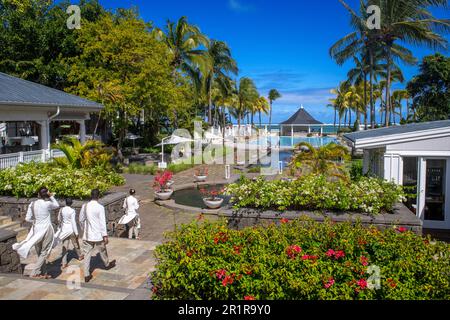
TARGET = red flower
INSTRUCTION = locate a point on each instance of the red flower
(284, 221)
(364, 261)
(392, 283)
(293, 251)
(362, 284)
(228, 280)
(330, 253)
(237, 249)
(339, 254)
(220, 274)
(402, 229)
(249, 298)
(329, 284)
(155, 290)
(189, 253)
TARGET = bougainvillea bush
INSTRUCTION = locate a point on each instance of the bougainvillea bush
(300, 259)
(316, 192)
(25, 179)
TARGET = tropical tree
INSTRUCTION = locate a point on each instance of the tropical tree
(218, 69)
(273, 96)
(430, 89)
(398, 96)
(246, 96)
(262, 106)
(339, 102)
(88, 155)
(327, 160)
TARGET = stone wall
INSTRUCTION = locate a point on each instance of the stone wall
(17, 210)
(402, 217)
(9, 259)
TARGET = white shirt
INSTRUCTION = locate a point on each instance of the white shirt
(67, 223)
(130, 204)
(93, 218)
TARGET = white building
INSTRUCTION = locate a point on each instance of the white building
(414, 155)
(32, 116)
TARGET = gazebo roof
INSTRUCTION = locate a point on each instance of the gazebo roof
(18, 92)
(302, 117)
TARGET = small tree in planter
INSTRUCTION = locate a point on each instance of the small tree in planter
(201, 174)
(211, 197)
(162, 185)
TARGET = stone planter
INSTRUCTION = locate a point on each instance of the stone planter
(213, 203)
(164, 195)
(201, 178)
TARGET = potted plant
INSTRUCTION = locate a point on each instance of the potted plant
(162, 185)
(211, 198)
(201, 174)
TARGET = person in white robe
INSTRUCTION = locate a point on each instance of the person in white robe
(95, 235)
(68, 232)
(131, 217)
(41, 235)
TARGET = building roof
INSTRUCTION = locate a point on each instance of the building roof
(18, 92)
(302, 117)
(397, 134)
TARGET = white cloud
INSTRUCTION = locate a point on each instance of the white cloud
(237, 5)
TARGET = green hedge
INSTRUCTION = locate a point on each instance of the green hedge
(303, 260)
(315, 192)
(26, 179)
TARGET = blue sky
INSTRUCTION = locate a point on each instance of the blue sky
(281, 44)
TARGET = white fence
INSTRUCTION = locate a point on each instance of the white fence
(13, 159)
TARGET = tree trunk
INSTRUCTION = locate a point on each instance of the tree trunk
(270, 117)
(335, 117)
(365, 102)
(372, 104)
(388, 85)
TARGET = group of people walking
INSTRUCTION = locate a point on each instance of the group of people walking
(92, 219)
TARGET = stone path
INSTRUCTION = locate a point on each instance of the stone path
(128, 280)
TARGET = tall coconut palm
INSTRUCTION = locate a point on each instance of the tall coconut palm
(262, 106)
(185, 42)
(398, 96)
(339, 102)
(220, 66)
(245, 96)
(408, 21)
(273, 96)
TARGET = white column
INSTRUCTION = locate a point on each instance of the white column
(44, 137)
(421, 185)
(309, 129)
(82, 132)
(392, 170)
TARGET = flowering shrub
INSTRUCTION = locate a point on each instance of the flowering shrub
(162, 179)
(314, 192)
(25, 179)
(212, 193)
(299, 260)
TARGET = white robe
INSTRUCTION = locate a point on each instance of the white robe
(39, 214)
(67, 224)
(93, 220)
(131, 204)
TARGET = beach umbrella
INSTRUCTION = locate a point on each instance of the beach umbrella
(171, 140)
(133, 138)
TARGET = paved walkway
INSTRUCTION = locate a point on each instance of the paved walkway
(128, 280)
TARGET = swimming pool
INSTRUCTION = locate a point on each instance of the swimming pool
(290, 142)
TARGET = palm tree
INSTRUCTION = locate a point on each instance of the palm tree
(220, 66)
(339, 102)
(397, 99)
(273, 96)
(262, 106)
(183, 41)
(327, 160)
(245, 97)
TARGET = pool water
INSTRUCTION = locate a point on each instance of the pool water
(193, 197)
(289, 142)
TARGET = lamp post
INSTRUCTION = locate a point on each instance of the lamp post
(162, 164)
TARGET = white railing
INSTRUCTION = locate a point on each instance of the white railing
(13, 159)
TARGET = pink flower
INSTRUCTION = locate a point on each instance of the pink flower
(220, 274)
(364, 261)
(228, 280)
(330, 253)
(329, 284)
(339, 254)
(362, 284)
(249, 298)
(293, 251)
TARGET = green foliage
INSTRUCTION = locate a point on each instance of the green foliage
(89, 155)
(356, 170)
(326, 160)
(26, 179)
(316, 192)
(136, 168)
(299, 260)
(430, 89)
